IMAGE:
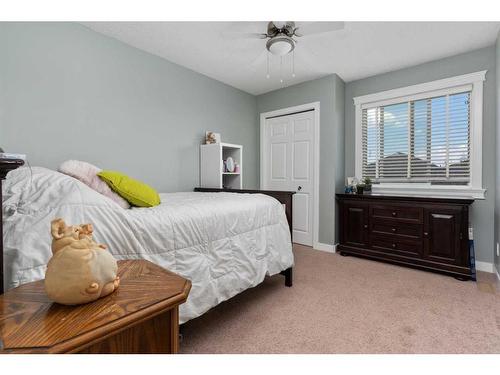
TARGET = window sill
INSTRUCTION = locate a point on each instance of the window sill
(465, 192)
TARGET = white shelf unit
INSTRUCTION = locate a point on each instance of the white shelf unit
(212, 173)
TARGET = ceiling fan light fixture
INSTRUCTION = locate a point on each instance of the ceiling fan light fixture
(280, 45)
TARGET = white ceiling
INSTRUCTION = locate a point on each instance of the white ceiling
(361, 49)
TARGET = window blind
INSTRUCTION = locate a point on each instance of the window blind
(424, 140)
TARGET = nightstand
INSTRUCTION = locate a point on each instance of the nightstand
(142, 316)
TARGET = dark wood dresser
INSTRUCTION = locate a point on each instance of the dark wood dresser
(420, 232)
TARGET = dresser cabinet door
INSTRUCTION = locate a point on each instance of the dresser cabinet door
(355, 224)
(443, 234)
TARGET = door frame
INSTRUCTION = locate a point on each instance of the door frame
(315, 107)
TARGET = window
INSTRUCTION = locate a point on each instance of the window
(424, 138)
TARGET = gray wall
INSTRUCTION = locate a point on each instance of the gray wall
(69, 92)
(329, 91)
(482, 215)
(497, 164)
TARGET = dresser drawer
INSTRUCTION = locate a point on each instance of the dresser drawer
(392, 244)
(407, 214)
(396, 228)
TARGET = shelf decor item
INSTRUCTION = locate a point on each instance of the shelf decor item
(212, 138)
(230, 164)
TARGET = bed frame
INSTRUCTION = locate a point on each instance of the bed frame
(6, 165)
(284, 197)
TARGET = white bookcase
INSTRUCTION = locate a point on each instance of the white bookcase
(212, 173)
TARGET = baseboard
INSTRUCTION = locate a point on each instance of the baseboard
(485, 267)
(324, 247)
(480, 266)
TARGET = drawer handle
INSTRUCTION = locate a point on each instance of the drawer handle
(393, 230)
(426, 234)
(393, 245)
(365, 226)
(394, 213)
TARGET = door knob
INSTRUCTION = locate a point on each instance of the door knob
(299, 188)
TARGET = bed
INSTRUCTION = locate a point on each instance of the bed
(223, 242)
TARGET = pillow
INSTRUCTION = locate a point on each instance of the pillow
(135, 192)
(87, 173)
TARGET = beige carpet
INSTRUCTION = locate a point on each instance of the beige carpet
(350, 305)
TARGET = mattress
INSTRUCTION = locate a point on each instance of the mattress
(223, 242)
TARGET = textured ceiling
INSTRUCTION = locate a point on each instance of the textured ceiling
(360, 50)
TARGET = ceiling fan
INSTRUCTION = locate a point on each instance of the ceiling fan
(281, 34)
(282, 37)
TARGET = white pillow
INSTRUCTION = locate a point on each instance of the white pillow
(87, 173)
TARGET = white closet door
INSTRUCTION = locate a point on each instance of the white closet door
(289, 150)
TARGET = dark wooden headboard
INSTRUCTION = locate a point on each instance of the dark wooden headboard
(6, 165)
(284, 197)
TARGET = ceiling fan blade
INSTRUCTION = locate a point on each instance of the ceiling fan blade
(237, 35)
(259, 62)
(311, 28)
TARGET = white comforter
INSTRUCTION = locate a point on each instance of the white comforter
(224, 243)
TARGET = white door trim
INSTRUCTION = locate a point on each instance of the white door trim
(263, 156)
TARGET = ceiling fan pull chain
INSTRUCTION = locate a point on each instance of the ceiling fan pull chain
(281, 69)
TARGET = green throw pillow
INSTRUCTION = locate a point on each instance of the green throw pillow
(135, 192)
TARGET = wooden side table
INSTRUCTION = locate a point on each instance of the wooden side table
(142, 316)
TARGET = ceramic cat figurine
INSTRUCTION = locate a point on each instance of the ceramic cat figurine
(80, 269)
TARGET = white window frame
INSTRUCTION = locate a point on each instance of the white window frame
(471, 81)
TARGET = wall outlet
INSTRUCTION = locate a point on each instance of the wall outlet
(498, 250)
